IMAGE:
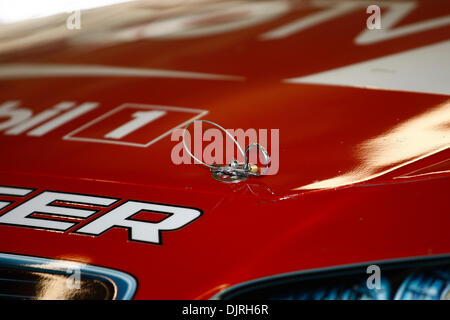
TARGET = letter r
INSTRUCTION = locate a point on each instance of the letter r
(142, 230)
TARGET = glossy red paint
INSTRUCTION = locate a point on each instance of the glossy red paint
(376, 208)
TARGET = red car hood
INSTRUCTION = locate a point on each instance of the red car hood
(363, 140)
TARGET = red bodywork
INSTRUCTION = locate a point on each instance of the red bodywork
(391, 208)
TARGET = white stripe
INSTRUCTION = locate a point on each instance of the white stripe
(19, 70)
(14, 191)
(426, 69)
(335, 10)
(3, 204)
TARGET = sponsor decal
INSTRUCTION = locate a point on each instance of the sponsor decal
(130, 124)
(53, 210)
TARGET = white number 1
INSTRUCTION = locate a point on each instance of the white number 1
(141, 118)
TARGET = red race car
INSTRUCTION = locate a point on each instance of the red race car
(227, 150)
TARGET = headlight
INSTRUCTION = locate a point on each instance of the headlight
(34, 278)
(418, 279)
